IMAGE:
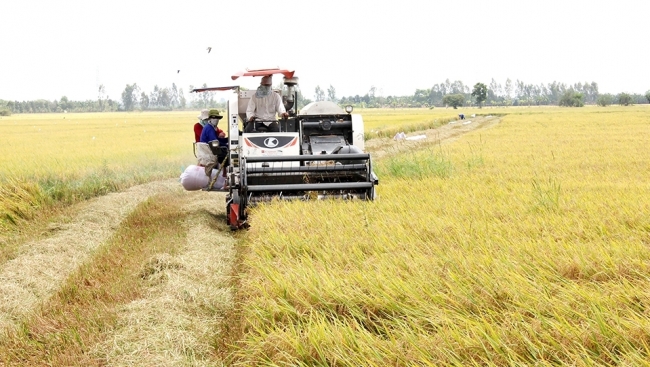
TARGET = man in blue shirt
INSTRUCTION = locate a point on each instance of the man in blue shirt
(211, 131)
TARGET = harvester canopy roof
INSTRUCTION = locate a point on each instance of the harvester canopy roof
(258, 72)
(214, 89)
(264, 72)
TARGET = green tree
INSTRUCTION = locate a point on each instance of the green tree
(624, 99)
(421, 97)
(181, 98)
(5, 109)
(480, 93)
(493, 91)
(129, 99)
(319, 95)
(207, 98)
(454, 100)
(164, 98)
(372, 92)
(136, 96)
(144, 101)
(64, 103)
(302, 100)
(604, 100)
(508, 92)
(174, 100)
(571, 98)
(101, 93)
(331, 94)
(154, 97)
(647, 96)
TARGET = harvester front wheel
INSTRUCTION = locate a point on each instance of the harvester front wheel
(235, 214)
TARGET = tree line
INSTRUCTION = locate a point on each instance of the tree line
(61, 105)
(517, 93)
(447, 93)
(132, 98)
(159, 99)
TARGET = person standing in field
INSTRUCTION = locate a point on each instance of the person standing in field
(263, 106)
(198, 127)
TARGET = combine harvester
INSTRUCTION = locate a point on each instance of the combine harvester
(318, 153)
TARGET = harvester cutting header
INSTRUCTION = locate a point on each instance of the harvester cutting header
(314, 153)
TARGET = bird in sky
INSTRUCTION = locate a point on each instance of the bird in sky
(209, 49)
(178, 71)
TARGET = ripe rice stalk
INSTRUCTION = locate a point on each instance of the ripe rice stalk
(458, 269)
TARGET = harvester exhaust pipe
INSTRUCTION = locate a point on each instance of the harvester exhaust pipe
(291, 84)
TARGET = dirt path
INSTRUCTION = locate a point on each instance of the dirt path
(382, 146)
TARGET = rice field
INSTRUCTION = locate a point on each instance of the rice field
(523, 244)
(42, 145)
(49, 159)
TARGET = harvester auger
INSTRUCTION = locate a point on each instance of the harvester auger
(317, 154)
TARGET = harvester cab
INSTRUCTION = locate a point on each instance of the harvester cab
(317, 154)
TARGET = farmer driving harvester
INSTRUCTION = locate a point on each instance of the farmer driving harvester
(262, 108)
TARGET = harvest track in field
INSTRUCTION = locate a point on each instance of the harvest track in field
(40, 266)
(379, 147)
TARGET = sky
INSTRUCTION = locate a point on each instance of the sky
(51, 49)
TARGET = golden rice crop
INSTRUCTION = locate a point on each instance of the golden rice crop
(531, 247)
(388, 122)
(58, 144)
(51, 158)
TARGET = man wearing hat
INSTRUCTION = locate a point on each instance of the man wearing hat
(263, 106)
(198, 127)
(210, 130)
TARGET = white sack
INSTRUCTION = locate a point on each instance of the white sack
(220, 180)
(194, 178)
(416, 137)
(399, 136)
